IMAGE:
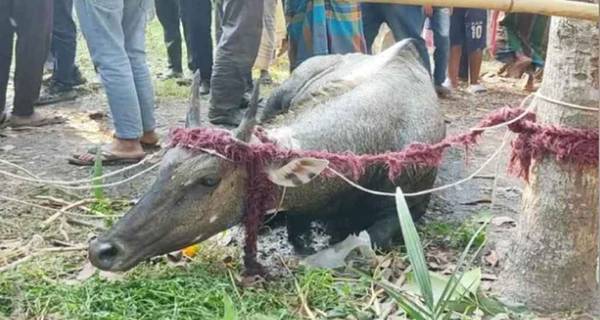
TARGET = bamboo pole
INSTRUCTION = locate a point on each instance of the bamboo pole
(560, 8)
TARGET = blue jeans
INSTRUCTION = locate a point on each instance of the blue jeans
(64, 43)
(115, 34)
(405, 21)
(440, 25)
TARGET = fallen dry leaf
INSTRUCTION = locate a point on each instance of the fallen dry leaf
(7, 147)
(504, 221)
(252, 281)
(111, 276)
(86, 272)
(488, 277)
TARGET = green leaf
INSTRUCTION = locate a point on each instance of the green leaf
(414, 249)
(457, 276)
(262, 317)
(229, 309)
(98, 191)
(468, 284)
(411, 307)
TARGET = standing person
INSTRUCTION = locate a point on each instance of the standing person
(523, 45)
(241, 28)
(168, 14)
(272, 34)
(321, 27)
(439, 19)
(468, 28)
(115, 34)
(31, 21)
(66, 75)
(197, 20)
(405, 21)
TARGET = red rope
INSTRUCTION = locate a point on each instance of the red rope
(534, 141)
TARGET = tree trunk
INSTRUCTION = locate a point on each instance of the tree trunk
(554, 254)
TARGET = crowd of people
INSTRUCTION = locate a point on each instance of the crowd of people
(248, 34)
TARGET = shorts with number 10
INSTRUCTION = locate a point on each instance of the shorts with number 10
(468, 28)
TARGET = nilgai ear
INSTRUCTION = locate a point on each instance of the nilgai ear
(297, 172)
(244, 131)
(192, 119)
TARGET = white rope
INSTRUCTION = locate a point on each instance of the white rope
(36, 179)
(521, 116)
(114, 184)
(565, 104)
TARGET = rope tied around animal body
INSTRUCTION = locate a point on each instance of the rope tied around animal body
(534, 141)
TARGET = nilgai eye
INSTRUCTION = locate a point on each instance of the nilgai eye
(209, 181)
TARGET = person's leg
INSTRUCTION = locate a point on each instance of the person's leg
(6, 50)
(476, 28)
(197, 19)
(34, 27)
(65, 75)
(457, 39)
(407, 21)
(266, 52)
(236, 53)
(440, 25)
(372, 20)
(167, 12)
(134, 27)
(64, 42)
(218, 18)
(102, 29)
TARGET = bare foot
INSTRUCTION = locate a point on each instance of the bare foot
(34, 120)
(517, 69)
(149, 138)
(530, 85)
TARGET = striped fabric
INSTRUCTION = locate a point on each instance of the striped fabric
(525, 34)
(321, 27)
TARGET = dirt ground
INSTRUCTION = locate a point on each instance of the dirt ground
(43, 151)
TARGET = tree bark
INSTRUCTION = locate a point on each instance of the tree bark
(552, 264)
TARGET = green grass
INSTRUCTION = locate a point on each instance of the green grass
(455, 235)
(158, 292)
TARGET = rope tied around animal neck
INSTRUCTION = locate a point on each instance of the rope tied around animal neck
(534, 141)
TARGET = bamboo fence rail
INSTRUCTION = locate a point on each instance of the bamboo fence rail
(561, 8)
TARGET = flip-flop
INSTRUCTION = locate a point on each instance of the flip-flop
(37, 123)
(108, 159)
(147, 147)
(476, 89)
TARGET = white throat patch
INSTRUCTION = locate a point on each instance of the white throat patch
(284, 137)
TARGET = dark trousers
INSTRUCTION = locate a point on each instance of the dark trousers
(405, 21)
(241, 29)
(168, 13)
(64, 43)
(33, 19)
(197, 19)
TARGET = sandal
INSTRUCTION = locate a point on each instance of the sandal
(108, 159)
(476, 89)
